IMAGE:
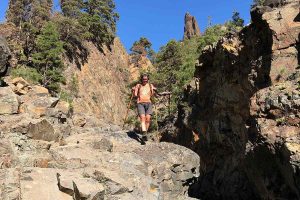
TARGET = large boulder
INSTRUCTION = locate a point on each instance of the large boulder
(39, 106)
(37, 101)
(8, 101)
(20, 86)
(5, 55)
(42, 130)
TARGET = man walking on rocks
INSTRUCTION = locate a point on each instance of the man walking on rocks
(143, 92)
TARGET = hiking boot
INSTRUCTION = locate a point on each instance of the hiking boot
(143, 142)
(144, 138)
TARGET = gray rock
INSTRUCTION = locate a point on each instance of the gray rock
(103, 145)
(10, 185)
(79, 188)
(39, 106)
(79, 120)
(42, 130)
(8, 101)
(115, 188)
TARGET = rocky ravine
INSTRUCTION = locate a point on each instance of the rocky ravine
(48, 153)
(243, 114)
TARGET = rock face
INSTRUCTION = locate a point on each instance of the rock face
(100, 83)
(139, 63)
(5, 55)
(11, 33)
(242, 116)
(191, 27)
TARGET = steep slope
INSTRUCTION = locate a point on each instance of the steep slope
(100, 82)
(242, 115)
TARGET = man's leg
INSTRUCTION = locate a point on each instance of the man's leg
(148, 121)
(148, 113)
(143, 122)
(141, 111)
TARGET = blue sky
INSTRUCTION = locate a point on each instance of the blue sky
(162, 20)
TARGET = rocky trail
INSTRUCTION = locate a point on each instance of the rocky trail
(48, 153)
(239, 115)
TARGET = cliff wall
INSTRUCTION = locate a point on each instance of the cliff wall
(242, 114)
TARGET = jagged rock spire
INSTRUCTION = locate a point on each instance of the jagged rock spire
(191, 27)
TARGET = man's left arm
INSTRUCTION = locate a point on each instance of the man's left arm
(154, 90)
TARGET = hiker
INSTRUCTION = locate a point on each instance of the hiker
(143, 92)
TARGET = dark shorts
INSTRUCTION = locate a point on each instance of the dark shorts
(144, 108)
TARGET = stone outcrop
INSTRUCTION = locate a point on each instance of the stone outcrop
(5, 55)
(242, 114)
(191, 27)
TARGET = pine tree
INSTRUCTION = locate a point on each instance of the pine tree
(142, 46)
(100, 18)
(236, 23)
(34, 12)
(71, 8)
(105, 9)
(168, 61)
(15, 12)
(72, 33)
(29, 16)
(47, 59)
(40, 12)
(237, 20)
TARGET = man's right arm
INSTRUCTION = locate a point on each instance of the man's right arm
(135, 90)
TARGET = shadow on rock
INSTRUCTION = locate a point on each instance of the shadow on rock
(135, 136)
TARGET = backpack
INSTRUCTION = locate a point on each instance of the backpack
(151, 89)
(152, 98)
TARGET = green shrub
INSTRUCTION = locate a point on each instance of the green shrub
(74, 86)
(66, 96)
(281, 121)
(29, 74)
